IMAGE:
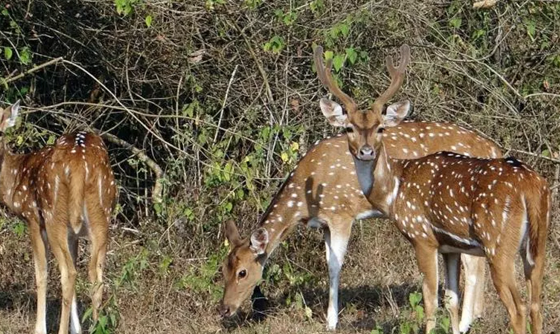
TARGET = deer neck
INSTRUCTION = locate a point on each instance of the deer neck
(385, 178)
(283, 214)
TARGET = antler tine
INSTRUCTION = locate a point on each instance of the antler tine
(397, 77)
(325, 76)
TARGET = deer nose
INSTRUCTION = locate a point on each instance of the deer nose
(366, 153)
(224, 310)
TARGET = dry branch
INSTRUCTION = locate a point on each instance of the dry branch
(141, 155)
(34, 69)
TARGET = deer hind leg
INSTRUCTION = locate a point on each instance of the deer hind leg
(39, 245)
(57, 230)
(473, 299)
(75, 326)
(426, 258)
(98, 221)
(503, 275)
(534, 271)
(452, 273)
(336, 241)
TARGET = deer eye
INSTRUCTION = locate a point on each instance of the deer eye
(380, 130)
(349, 129)
(242, 273)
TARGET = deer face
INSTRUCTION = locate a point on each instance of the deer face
(364, 127)
(242, 268)
(8, 118)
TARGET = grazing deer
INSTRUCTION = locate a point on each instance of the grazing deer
(449, 203)
(323, 191)
(63, 191)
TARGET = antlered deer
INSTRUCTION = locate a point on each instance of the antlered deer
(449, 203)
(323, 191)
(63, 191)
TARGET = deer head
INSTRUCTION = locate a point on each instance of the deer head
(364, 126)
(8, 118)
(243, 267)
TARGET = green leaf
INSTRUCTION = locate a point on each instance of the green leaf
(328, 55)
(25, 56)
(445, 322)
(338, 62)
(531, 28)
(546, 153)
(308, 312)
(352, 55)
(149, 21)
(455, 22)
(8, 52)
(344, 29)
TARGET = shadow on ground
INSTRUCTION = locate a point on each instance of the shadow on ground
(366, 300)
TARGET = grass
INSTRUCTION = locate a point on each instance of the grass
(154, 288)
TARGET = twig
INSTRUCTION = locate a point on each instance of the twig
(32, 70)
(158, 186)
(542, 94)
(535, 155)
(224, 103)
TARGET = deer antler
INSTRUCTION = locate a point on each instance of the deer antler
(325, 76)
(397, 77)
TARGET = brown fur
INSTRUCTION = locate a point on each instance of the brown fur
(62, 191)
(313, 183)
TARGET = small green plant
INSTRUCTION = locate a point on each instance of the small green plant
(211, 4)
(376, 330)
(276, 44)
(288, 18)
(125, 7)
(19, 228)
(316, 6)
(108, 318)
(252, 4)
(132, 269)
(201, 279)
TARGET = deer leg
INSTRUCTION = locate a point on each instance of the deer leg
(452, 273)
(426, 258)
(336, 241)
(503, 276)
(480, 272)
(39, 245)
(533, 275)
(75, 326)
(473, 299)
(58, 239)
(99, 226)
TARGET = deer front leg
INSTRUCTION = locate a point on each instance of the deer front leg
(336, 241)
(452, 273)
(39, 245)
(426, 257)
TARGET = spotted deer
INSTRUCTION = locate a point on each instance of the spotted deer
(323, 191)
(448, 202)
(63, 192)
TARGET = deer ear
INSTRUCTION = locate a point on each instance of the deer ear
(232, 234)
(9, 116)
(259, 241)
(334, 113)
(396, 112)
